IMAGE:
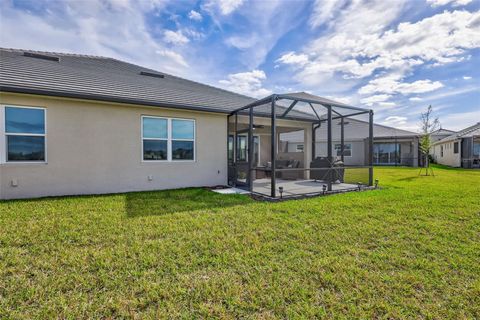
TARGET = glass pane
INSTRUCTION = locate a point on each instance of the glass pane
(182, 129)
(24, 120)
(25, 148)
(154, 150)
(155, 128)
(182, 150)
(256, 151)
(241, 148)
(476, 148)
(230, 148)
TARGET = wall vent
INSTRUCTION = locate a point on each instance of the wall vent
(152, 74)
(41, 56)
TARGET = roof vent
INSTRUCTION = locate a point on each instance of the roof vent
(152, 74)
(41, 56)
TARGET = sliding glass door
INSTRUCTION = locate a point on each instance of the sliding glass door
(386, 153)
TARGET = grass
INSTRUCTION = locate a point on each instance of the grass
(410, 250)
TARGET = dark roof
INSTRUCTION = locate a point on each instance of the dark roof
(442, 131)
(107, 79)
(467, 132)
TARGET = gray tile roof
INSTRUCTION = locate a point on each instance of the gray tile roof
(107, 79)
(467, 132)
(356, 129)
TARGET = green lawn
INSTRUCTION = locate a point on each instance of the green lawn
(410, 250)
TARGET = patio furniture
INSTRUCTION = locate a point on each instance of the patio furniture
(287, 164)
(333, 170)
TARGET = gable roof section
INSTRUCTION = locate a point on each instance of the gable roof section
(107, 79)
(465, 133)
(357, 129)
(442, 131)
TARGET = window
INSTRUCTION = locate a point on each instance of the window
(165, 139)
(455, 147)
(476, 147)
(387, 153)
(24, 134)
(347, 150)
(183, 132)
(441, 151)
(299, 147)
(241, 148)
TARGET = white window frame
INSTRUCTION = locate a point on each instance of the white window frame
(169, 139)
(4, 134)
(336, 153)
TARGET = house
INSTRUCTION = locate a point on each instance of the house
(391, 146)
(460, 149)
(440, 134)
(77, 124)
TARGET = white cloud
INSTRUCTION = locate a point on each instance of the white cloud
(262, 24)
(451, 93)
(90, 27)
(415, 99)
(386, 104)
(324, 11)
(346, 100)
(194, 15)
(375, 99)
(247, 83)
(361, 42)
(392, 84)
(175, 37)
(172, 55)
(395, 121)
(294, 59)
(466, 78)
(243, 42)
(225, 7)
(455, 3)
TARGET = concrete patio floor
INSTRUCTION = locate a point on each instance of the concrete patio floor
(298, 187)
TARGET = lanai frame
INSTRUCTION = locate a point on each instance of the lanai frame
(334, 111)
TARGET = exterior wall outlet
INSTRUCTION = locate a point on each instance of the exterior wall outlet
(150, 178)
(14, 183)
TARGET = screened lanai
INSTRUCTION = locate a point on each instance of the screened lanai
(290, 145)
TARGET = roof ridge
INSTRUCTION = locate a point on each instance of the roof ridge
(123, 61)
(461, 133)
(57, 53)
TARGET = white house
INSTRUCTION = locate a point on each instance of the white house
(461, 149)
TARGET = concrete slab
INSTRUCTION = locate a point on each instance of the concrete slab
(231, 191)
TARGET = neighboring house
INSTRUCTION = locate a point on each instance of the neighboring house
(391, 146)
(76, 124)
(461, 149)
(440, 134)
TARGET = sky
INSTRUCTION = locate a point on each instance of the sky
(395, 57)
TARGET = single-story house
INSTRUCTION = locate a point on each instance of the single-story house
(391, 146)
(77, 124)
(460, 149)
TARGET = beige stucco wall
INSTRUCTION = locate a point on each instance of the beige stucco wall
(95, 147)
(449, 158)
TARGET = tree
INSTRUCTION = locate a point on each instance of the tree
(429, 124)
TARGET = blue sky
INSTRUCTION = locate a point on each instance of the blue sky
(393, 56)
